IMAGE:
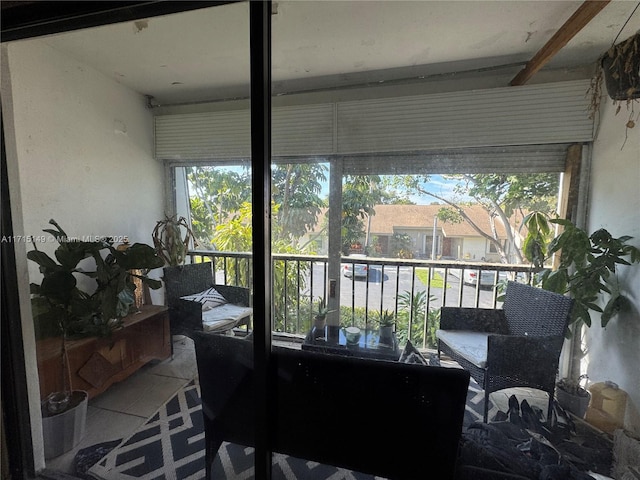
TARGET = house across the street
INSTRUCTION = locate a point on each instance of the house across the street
(413, 227)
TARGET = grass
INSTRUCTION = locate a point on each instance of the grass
(436, 281)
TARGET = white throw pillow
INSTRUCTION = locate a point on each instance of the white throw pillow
(209, 299)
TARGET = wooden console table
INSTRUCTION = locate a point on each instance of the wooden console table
(96, 363)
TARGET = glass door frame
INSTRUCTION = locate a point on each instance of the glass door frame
(44, 18)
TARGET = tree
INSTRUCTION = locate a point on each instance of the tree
(288, 278)
(502, 196)
(360, 193)
(217, 193)
(296, 189)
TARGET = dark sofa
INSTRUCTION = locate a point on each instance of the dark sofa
(395, 420)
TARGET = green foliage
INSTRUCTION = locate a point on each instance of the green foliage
(535, 243)
(60, 307)
(450, 215)
(321, 308)
(216, 193)
(358, 317)
(413, 308)
(296, 188)
(401, 245)
(360, 193)
(532, 191)
(288, 276)
(386, 318)
(586, 268)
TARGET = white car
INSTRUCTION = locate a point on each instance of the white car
(355, 269)
(487, 278)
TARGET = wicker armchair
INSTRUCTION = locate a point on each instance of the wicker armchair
(518, 346)
(186, 317)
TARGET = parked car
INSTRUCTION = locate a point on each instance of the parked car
(487, 278)
(355, 269)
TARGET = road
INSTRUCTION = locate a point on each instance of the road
(380, 290)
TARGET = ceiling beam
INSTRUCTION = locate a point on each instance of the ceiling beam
(581, 17)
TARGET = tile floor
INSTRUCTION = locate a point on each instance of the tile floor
(116, 413)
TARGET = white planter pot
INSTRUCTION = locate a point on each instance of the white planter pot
(63, 431)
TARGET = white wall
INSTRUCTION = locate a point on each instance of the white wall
(79, 150)
(84, 146)
(474, 248)
(614, 353)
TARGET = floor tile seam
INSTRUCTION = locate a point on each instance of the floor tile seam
(122, 412)
(165, 375)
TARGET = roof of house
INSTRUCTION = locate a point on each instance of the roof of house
(389, 218)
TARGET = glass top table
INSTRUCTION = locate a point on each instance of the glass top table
(369, 346)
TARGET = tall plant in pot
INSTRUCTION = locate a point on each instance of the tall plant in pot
(585, 269)
(62, 308)
(318, 329)
(171, 238)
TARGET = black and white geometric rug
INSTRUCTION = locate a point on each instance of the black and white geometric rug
(170, 446)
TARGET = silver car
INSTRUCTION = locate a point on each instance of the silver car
(357, 270)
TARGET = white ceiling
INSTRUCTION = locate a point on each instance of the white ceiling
(204, 54)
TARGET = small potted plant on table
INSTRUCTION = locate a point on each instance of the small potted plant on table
(318, 330)
(387, 320)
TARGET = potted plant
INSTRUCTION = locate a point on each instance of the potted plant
(573, 396)
(619, 69)
(169, 240)
(318, 330)
(585, 269)
(386, 320)
(61, 308)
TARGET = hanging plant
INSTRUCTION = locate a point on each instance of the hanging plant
(619, 69)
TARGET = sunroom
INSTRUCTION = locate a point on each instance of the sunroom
(108, 129)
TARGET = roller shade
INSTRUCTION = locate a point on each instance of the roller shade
(539, 114)
(307, 130)
(555, 113)
(512, 160)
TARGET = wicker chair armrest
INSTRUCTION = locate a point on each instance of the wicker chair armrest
(187, 306)
(185, 317)
(234, 294)
(533, 359)
(474, 319)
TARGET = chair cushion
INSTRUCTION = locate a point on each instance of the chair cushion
(209, 298)
(224, 317)
(470, 345)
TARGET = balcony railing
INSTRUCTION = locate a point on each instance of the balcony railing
(413, 289)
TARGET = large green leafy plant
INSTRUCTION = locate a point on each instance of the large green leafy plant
(586, 267)
(62, 308)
